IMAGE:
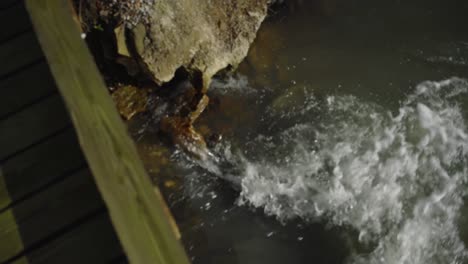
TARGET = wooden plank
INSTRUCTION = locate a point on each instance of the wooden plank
(21, 260)
(120, 260)
(31, 125)
(93, 242)
(25, 87)
(6, 4)
(41, 165)
(10, 236)
(18, 52)
(44, 216)
(14, 20)
(136, 211)
(4, 194)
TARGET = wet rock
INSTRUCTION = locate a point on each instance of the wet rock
(130, 100)
(200, 107)
(156, 38)
(121, 41)
(124, 56)
(184, 135)
(129, 12)
(205, 37)
(178, 124)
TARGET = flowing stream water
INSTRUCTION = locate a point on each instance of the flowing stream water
(344, 140)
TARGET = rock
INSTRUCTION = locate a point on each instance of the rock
(185, 136)
(178, 124)
(128, 12)
(121, 41)
(124, 56)
(205, 37)
(156, 38)
(199, 108)
(130, 100)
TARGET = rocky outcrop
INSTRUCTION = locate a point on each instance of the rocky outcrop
(156, 38)
(203, 36)
(130, 100)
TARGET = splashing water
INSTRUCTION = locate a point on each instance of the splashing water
(398, 179)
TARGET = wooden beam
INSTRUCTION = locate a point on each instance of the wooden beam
(136, 211)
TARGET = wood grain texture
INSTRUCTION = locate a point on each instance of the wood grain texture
(136, 211)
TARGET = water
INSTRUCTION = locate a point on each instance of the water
(398, 180)
(345, 140)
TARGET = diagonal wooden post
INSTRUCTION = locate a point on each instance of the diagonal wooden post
(136, 211)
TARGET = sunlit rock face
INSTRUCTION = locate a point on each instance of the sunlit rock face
(203, 36)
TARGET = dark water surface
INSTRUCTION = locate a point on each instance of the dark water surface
(336, 147)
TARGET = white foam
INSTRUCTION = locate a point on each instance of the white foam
(397, 179)
(232, 83)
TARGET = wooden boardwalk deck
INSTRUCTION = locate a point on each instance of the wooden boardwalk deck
(50, 208)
